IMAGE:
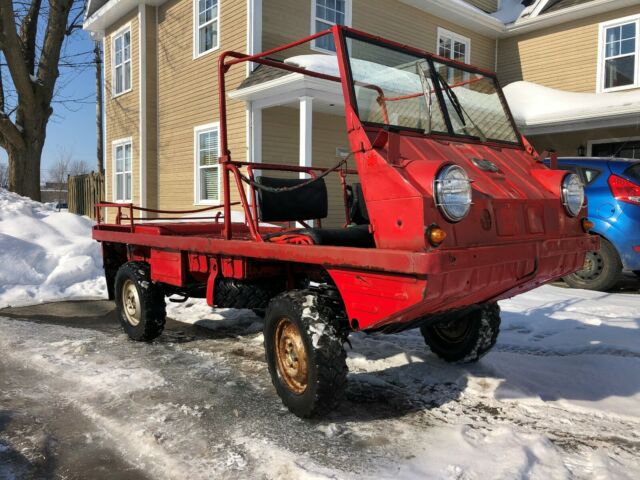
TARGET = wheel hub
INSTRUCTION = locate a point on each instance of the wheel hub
(454, 331)
(593, 266)
(131, 303)
(291, 356)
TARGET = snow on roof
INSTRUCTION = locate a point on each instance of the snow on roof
(510, 11)
(532, 103)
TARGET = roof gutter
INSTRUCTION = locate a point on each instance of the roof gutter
(595, 7)
(111, 12)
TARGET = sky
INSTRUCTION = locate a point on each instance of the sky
(72, 127)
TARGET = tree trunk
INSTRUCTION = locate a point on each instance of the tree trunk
(24, 170)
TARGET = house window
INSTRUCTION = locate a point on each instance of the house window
(207, 21)
(453, 46)
(324, 15)
(207, 168)
(122, 62)
(122, 171)
(619, 55)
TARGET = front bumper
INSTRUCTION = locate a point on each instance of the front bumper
(458, 278)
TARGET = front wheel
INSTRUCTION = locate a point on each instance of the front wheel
(140, 303)
(304, 351)
(601, 269)
(466, 338)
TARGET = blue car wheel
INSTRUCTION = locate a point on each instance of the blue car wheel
(601, 270)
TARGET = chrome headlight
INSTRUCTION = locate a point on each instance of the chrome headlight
(572, 194)
(452, 192)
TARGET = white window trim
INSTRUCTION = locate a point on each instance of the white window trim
(443, 32)
(112, 39)
(601, 54)
(196, 164)
(347, 22)
(196, 32)
(600, 141)
(114, 172)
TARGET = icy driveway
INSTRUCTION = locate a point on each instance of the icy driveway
(558, 398)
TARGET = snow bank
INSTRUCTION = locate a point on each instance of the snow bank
(532, 103)
(46, 255)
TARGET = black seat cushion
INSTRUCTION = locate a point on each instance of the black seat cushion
(358, 236)
(305, 203)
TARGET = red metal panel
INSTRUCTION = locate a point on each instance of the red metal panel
(168, 267)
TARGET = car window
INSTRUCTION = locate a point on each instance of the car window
(590, 174)
(633, 171)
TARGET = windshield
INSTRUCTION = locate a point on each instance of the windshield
(398, 88)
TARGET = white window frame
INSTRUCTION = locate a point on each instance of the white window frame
(347, 22)
(601, 53)
(114, 36)
(114, 169)
(444, 33)
(210, 127)
(197, 27)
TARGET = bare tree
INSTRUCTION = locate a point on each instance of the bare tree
(32, 58)
(59, 172)
(4, 175)
(78, 167)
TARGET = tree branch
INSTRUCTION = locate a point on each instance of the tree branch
(28, 34)
(10, 46)
(75, 23)
(50, 56)
(10, 132)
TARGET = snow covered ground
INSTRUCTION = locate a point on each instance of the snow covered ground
(45, 254)
(559, 397)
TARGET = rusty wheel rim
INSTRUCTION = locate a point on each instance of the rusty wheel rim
(291, 356)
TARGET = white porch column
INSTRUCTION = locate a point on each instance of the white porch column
(255, 133)
(306, 131)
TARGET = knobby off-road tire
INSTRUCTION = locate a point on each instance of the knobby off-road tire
(465, 339)
(256, 295)
(140, 302)
(304, 351)
(603, 269)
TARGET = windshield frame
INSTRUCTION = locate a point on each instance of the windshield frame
(342, 36)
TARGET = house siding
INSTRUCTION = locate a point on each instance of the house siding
(564, 56)
(285, 20)
(188, 96)
(123, 111)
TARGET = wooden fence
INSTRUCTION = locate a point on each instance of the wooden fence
(85, 191)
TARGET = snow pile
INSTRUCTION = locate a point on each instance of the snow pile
(46, 255)
(532, 103)
(511, 10)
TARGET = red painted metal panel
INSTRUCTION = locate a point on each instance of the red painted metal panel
(168, 267)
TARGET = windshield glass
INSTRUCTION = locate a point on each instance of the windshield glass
(394, 87)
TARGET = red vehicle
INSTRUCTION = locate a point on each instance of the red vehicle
(452, 211)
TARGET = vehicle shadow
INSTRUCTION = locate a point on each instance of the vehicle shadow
(14, 464)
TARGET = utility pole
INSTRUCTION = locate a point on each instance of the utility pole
(98, 62)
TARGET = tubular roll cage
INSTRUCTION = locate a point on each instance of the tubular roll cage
(230, 167)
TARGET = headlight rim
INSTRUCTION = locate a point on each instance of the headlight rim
(564, 187)
(440, 204)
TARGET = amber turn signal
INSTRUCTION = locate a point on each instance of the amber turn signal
(436, 235)
(587, 224)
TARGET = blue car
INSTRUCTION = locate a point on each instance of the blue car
(612, 186)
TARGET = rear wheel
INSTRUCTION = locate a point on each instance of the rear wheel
(601, 270)
(466, 338)
(304, 351)
(140, 302)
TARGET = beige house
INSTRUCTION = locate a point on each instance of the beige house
(160, 85)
